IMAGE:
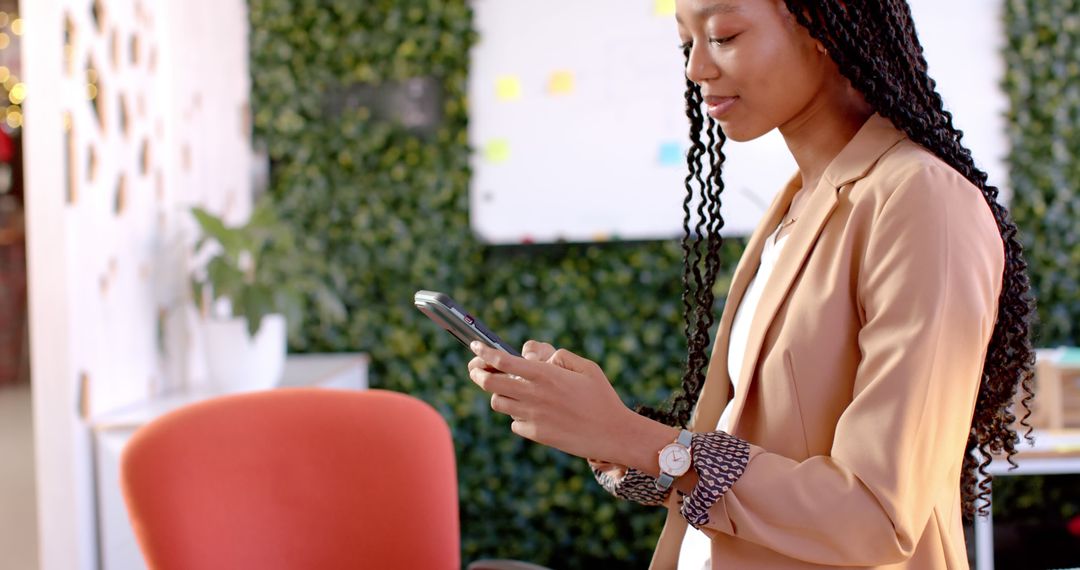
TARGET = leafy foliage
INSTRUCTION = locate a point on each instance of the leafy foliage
(1043, 83)
(386, 210)
(257, 268)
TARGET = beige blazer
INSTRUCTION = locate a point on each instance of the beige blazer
(861, 370)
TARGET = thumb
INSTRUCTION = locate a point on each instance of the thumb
(565, 359)
(536, 350)
(613, 469)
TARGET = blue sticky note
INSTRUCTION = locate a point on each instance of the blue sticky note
(671, 154)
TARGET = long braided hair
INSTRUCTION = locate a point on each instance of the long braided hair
(876, 48)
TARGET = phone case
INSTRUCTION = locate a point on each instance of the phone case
(440, 308)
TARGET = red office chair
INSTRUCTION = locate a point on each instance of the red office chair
(297, 479)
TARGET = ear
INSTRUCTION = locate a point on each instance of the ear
(821, 47)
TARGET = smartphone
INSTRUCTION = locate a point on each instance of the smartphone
(440, 308)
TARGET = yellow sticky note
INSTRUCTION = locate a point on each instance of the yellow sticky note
(561, 83)
(498, 151)
(508, 88)
(664, 7)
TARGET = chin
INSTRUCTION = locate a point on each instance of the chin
(741, 132)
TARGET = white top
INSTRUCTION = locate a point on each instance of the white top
(696, 547)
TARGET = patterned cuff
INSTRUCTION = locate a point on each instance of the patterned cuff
(719, 459)
(634, 486)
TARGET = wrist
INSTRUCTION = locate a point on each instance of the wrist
(640, 441)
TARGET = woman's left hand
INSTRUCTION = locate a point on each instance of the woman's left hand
(565, 402)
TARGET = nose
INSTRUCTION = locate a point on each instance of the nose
(699, 65)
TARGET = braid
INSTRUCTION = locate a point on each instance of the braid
(716, 220)
(699, 267)
(878, 50)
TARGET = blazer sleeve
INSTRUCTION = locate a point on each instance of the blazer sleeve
(929, 289)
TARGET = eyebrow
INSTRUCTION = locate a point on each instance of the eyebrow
(711, 9)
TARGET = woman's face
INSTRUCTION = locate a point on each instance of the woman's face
(757, 68)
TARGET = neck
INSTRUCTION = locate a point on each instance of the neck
(816, 135)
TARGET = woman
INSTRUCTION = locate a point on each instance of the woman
(875, 332)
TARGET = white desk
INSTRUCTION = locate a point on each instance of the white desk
(117, 547)
(1054, 453)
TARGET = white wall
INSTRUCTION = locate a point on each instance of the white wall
(100, 277)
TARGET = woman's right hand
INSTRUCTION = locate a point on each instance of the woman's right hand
(609, 475)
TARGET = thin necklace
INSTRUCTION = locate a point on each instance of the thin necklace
(784, 224)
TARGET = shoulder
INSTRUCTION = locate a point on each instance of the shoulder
(910, 180)
(913, 200)
(908, 167)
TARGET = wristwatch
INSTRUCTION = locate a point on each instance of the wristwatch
(674, 460)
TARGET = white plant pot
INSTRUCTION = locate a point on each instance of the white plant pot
(238, 363)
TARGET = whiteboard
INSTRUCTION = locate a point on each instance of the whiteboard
(578, 128)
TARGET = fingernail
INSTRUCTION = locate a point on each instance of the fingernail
(475, 346)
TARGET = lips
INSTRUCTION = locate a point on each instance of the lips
(719, 105)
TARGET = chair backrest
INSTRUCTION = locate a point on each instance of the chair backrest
(295, 479)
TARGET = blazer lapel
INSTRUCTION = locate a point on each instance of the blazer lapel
(716, 392)
(821, 204)
(856, 159)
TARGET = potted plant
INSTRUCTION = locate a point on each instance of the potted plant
(251, 287)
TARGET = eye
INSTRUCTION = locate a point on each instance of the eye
(722, 41)
(685, 46)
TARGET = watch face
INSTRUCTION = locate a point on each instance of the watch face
(674, 460)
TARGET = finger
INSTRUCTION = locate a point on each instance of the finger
(507, 406)
(598, 464)
(506, 362)
(612, 469)
(478, 363)
(525, 429)
(537, 350)
(565, 359)
(499, 383)
(603, 465)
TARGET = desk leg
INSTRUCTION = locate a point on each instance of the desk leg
(984, 542)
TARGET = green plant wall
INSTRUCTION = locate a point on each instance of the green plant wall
(386, 209)
(1043, 83)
